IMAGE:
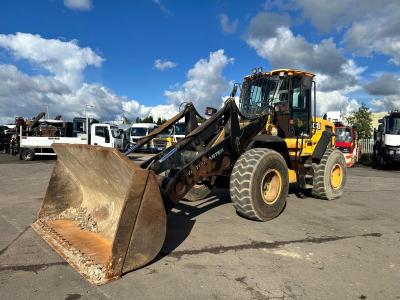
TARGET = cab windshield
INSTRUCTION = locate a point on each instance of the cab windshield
(257, 94)
(168, 132)
(343, 134)
(393, 125)
(138, 131)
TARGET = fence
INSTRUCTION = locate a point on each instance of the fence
(367, 146)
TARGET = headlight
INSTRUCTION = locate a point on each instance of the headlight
(391, 152)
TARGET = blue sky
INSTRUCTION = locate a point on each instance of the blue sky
(125, 38)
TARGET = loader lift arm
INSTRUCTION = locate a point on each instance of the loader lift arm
(209, 150)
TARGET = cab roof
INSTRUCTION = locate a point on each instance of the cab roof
(289, 72)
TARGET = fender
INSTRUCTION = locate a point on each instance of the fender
(322, 144)
(275, 143)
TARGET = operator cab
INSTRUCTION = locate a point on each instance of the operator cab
(285, 94)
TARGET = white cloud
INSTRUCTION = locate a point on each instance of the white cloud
(25, 95)
(78, 4)
(65, 60)
(335, 101)
(162, 7)
(384, 85)
(326, 15)
(377, 33)
(369, 26)
(63, 89)
(283, 49)
(205, 85)
(386, 103)
(160, 64)
(387, 86)
(226, 26)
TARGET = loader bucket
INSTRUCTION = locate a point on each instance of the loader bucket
(102, 213)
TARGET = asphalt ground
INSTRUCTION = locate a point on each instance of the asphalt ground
(342, 249)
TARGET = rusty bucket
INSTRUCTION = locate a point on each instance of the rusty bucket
(102, 213)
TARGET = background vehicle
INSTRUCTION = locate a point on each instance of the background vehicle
(346, 139)
(170, 137)
(104, 135)
(387, 140)
(256, 151)
(139, 131)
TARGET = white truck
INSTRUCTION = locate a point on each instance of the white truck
(140, 130)
(387, 140)
(104, 135)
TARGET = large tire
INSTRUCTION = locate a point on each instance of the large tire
(197, 192)
(27, 154)
(259, 184)
(330, 175)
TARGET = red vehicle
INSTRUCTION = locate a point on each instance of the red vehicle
(347, 142)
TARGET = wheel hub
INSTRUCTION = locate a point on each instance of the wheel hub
(271, 186)
(336, 176)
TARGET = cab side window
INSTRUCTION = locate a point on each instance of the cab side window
(100, 131)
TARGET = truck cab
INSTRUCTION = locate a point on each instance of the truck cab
(347, 142)
(104, 135)
(387, 140)
(140, 130)
(170, 137)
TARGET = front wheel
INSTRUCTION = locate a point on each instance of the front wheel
(259, 184)
(330, 175)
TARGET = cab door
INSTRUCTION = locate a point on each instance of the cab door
(101, 136)
(300, 107)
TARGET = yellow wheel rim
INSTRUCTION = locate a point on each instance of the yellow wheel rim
(271, 186)
(336, 176)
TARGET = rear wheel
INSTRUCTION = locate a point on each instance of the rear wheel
(197, 192)
(329, 175)
(27, 154)
(259, 184)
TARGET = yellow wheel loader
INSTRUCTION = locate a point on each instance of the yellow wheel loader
(106, 215)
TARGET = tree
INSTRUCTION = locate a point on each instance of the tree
(159, 121)
(138, 120)
(362, 119)
(148, 119)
